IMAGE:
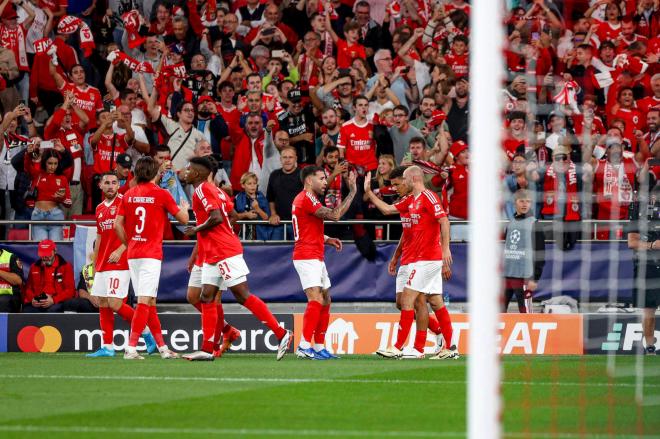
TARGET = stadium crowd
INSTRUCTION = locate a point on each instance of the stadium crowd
(89, 86)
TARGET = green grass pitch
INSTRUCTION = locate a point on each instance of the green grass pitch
(68, 395)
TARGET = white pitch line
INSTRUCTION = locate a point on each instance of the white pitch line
(303, 380)
(293, 433)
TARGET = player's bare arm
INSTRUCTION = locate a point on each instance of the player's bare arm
(444, 240)
(339, 211)
(385, 209)
(182, 215)
(215, 218)
(333, 242)
(119, 229)
(116, 254)
(391, 267)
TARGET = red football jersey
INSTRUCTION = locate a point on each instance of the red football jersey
(646, 103)
(104, 160)
(608, 32)
(220, 242)
(145, 208)
(458, 63)
(108, 239)
(425, 210)
(633, 119)
(458, 203)
(407, 250)
(346, 54)
(88, 99)
(307, 227)
(359, 144)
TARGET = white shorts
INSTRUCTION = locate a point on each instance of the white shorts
(145, 275)
(113, 283)
(425, 277)
(195, 280)
(226, 273)
(402, 277)
(312, 273)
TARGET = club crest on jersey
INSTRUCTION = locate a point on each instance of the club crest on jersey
(112, 210)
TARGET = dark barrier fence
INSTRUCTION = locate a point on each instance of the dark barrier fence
(601, 271)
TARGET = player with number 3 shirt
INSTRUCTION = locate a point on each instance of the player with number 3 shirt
(307, 215)
(139, 224)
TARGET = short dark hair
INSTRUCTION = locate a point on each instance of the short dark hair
(358, 97)
(417, 139)
(125, 92)
(309, 170)
(329, 150)
(362, 4)
(204, 162)
(398, 172)
(459, 38)
(108, 173)
(247, 78)
(517, 115)
(402, 108)
(225, 84)
(162, 148)
(146, 169)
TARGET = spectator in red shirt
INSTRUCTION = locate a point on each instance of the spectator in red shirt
(624, 109)
(43, 163)
(88, 98)
(347, 49)
(50, 285)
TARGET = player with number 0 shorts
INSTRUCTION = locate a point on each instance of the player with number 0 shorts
(307, 215)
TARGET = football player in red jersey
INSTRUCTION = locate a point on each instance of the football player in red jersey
(307, 215)
(223, 263)
(111, 275)
(440, 322)
(429, 225)
(139, 224)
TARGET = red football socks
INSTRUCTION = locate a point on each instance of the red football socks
(107, 323)
(154, 326)
(405, 323)
(322, 326)
(420, 341)
(209, 324)
(445, 325)
(311, 319)
(198, 306)
(434, 325)
(126, 312)
(259, 309)
(138, 323)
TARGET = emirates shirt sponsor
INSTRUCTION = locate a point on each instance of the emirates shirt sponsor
(106, 154)
(220, 242)
(359, 144)
(106, 212)
(307, 227)
(424, 210)
(145, 208)
(88, 99)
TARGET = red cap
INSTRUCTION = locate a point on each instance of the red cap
(205, 98)
(458, 147)
(47, 248)
(9, 13)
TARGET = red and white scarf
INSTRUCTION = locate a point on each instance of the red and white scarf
(568, 96)
(14, 40)
(42, 45)
(131, 21)
(617, 183)
(69, 24)
(117, 57)
(550, 187)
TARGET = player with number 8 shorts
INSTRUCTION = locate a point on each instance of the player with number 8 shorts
(111, 276)
(439, 322)
(140, 224)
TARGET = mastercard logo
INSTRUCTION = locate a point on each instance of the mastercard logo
(35, 339)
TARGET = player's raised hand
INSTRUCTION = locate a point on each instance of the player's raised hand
(336, 243)
(367, 183)
(352, 181)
